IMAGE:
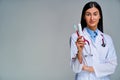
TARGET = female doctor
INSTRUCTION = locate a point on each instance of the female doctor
(93, 55)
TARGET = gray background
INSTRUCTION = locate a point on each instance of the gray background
(34, 37)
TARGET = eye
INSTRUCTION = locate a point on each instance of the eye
(87, 14)
(95, 14)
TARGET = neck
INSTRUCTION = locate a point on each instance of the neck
(93, 29)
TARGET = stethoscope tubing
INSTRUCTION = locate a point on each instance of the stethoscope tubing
(89, 53)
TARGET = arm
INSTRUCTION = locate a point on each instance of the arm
(76, 57)
(88, 68)
(108, 66)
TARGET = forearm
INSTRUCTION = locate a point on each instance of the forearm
(79, 55)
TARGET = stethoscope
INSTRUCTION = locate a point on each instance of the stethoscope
(88, 52)
(88, 43)
(79, 31)
(103, 41)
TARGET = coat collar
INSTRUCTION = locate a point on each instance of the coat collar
(88, 37)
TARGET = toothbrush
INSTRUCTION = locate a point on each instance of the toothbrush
(80, 30)
(76, 29)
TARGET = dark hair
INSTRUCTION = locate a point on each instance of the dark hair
(86, 7)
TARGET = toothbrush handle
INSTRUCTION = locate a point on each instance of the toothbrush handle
(77, 33)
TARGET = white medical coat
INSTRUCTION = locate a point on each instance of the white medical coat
(103, 59)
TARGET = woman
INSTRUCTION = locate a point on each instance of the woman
(94, 57)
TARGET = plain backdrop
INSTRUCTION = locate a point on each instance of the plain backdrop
(34, 37)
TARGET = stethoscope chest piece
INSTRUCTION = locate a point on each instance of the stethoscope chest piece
(103, 41)
(103, 45)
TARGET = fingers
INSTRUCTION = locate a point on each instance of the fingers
(80, 41)
(79, 38)
(80, 44)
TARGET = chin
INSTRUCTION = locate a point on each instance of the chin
(92, 27)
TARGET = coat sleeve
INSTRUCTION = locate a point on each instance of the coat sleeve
(74, 63)
(109, 65)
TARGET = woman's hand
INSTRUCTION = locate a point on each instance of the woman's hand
(88, 68)
(80, 44)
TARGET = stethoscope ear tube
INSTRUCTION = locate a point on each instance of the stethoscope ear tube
(103, 42)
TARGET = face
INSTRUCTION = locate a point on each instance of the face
(92, 17)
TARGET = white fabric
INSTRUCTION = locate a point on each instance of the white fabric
(104, 60)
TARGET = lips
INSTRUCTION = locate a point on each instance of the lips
(92, 22)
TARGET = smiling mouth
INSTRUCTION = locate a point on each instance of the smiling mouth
(92, 22)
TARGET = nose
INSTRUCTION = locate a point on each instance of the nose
(92, 17)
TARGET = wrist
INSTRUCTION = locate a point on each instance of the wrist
(79, 52)
(86, 68)
(79, 56)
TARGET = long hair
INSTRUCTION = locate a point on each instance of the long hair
(86, 7)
